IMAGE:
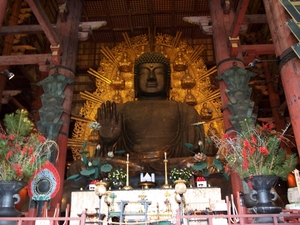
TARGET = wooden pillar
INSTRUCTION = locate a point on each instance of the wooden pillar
(275, 104)
(274, 99)
(3, 4)
(3, 81)
(221, 24)
(68, 34)
(289, 64)
(37, 103)
(8, 40)
(221, 27)
(35, 106)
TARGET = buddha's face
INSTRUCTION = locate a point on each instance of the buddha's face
(152, 80)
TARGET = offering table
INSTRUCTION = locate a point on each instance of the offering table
(162, 203)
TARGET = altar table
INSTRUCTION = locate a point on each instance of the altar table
(195, 199)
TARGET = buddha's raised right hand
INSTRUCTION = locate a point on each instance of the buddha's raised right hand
(111, 125)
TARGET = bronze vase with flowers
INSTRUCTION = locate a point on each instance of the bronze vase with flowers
(263, 196)
(23, 151)
(9, 197)
(256, 154)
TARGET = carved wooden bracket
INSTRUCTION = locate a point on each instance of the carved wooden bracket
(205, 24)
(86, 29)
(56, 53)
(234, 46)
(226, 6)
(63, 12)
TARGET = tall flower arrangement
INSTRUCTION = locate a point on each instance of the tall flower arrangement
(92, 165)
(205, 162)
(23, 150)
(117, 177)
(181, 174)
(257, 150)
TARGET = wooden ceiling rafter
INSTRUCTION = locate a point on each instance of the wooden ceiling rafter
(44, 22)
(49, 31)
(130, 15)
(236, 27)
(84, 15)
(194, 14)
(238, 18)
(109, 20)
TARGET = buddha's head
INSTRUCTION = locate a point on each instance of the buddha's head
(152, 76)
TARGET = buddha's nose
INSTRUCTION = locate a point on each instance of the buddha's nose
(151, 76)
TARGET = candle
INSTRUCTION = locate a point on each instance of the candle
(152, 177)
(165, 155)
(141, 177)
(127, 157)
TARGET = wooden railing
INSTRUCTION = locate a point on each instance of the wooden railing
(45, 220)
(285, 218)
(242, 216)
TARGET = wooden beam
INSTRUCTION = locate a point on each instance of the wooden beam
(259, 49)
(253, 51)
(255, 18)
(20, 106)
(238, 18)
(24, 59)
(44, 22)
(34, 29)
(21, 29)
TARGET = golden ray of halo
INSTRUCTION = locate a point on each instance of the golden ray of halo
(99, 76)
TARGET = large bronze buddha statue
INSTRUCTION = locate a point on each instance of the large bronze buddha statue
(147, 127)
(152, 124)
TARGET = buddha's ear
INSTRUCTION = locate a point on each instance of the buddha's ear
(136, 91)
(168, 80)
(135, 84)
(168, 86)
(168, 91)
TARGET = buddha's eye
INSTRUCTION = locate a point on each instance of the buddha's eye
(159, 71)
(144, 72)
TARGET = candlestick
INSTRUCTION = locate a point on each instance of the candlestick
(166, 185)
(127, 187)
(165, 155)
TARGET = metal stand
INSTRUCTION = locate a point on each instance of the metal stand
(166, 185)
(127, 186)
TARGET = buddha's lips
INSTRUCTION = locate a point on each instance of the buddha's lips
(151, 84)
